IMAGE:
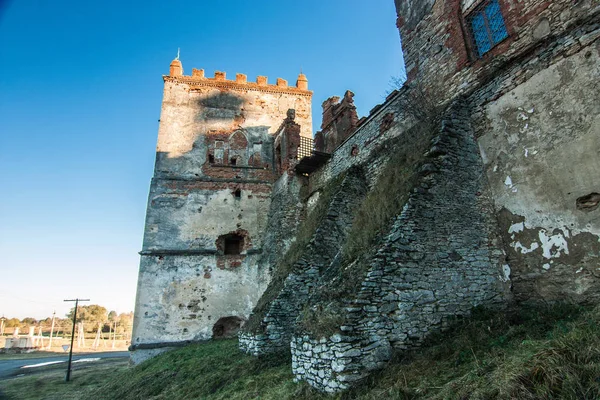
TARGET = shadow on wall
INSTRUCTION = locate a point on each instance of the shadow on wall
(221, 106)
(216, 134)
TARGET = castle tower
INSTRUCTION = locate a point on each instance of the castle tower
(207, 209)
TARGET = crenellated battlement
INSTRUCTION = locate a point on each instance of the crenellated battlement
(198, 78)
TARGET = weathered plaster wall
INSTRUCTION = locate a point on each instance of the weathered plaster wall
(190, 215)
(180, 298)
(197, 112)
(541, 147)
(213, 179)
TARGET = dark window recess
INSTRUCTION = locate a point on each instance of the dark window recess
(233, 245)
(487, 27)
(237, 194)
(211, 159)
(227, 327)
(233, 161)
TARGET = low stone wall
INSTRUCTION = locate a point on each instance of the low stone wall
(441, 258)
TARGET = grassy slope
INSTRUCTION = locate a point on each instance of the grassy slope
(551, 353)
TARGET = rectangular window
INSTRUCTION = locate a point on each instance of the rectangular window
(233, 245)
(487, 26)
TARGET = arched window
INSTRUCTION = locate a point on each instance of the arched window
(227, 327)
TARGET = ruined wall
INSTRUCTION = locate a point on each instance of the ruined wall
(340, 120)
(540, 140)
(438, 44)
(277, 321)
(201, 271)
(442, 257)
(534, 98)
(381, 125)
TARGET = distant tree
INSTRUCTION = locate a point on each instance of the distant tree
(112, 316)
(27, 321)
(125, 323)
(12, 323)
(89, 314)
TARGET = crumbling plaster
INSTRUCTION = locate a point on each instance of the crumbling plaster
(189, 113)
(184, 296)
(193, 219)
(541, 146)
(213, 179)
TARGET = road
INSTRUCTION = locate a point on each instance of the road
(10, 368)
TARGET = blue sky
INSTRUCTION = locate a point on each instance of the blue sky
(80, 96)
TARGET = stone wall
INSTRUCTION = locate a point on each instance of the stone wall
(279, 320)
(438, 46)
(286, 212)
(442, 257)
(382, 124)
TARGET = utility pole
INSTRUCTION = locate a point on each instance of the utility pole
(68, 377)
(51, 330)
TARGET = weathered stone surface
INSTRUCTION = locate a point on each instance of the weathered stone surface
(221, 145)
(281, 317)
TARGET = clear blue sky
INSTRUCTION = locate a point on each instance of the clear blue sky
(80, 96)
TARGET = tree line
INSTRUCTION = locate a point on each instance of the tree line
(89, 315)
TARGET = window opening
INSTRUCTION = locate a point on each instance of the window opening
(487, 27)
(211, 159)
(233, 245)
(237, 194)
(227, 327)
(233, 161)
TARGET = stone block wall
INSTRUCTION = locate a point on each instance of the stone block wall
(442, 257)
(279, 320)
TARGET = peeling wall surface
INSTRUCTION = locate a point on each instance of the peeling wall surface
(541, 146)
(438, 46)
(208, 205)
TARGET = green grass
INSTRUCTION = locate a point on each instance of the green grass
(542, 353)
(389, 194)
(48, 383)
